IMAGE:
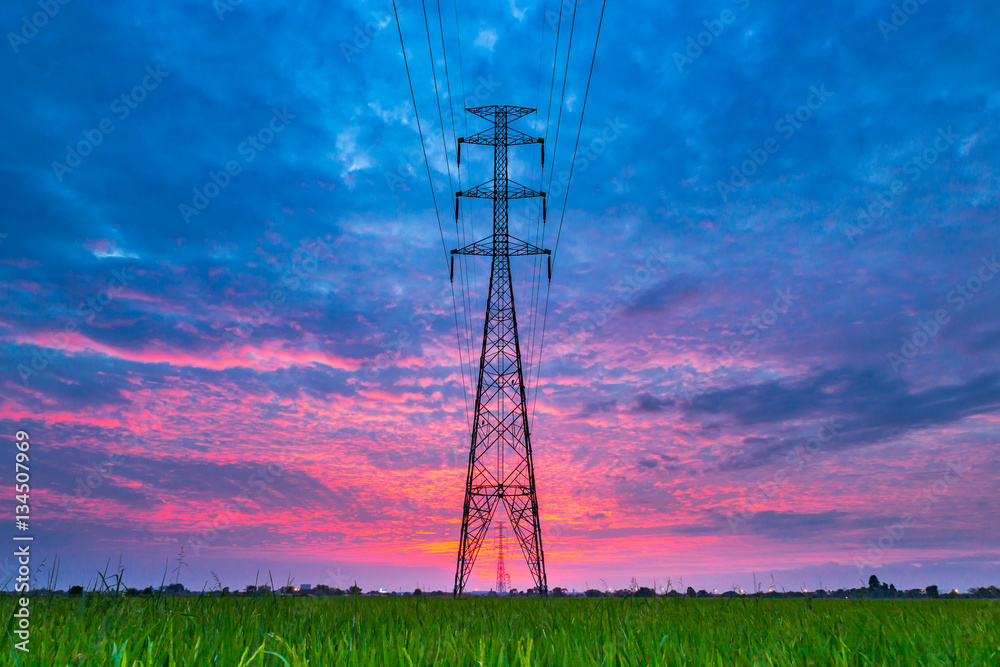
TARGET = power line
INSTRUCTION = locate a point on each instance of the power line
(555, 148)
(579, 130)
(437, 211)
(532, 356)
(541, 349)
(541, 51)
(536, 261)
(552, 83)
(552, 171)
(555, 248)
(466, 306)
(465, 283)
(447, 78)
(444, 144)
(562, 97)
(437, 97)
(461, 67)
(423, 147)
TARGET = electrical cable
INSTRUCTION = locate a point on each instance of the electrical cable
(437, 211)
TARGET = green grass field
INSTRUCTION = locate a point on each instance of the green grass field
(440, 631)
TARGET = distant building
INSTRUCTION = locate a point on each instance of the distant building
(305, 587)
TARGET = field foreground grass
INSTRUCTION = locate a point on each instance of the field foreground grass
(127, 632)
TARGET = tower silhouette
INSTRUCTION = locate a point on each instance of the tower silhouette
(503, 579)
(501, 472)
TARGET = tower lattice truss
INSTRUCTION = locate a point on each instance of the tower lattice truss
(501, 474)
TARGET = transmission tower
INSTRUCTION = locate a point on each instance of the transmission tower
(503, 579)
(501, 472)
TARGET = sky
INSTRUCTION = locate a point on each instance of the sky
(772, 336)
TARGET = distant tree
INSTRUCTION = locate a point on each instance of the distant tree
(558, 592)
(225, 591)
(892, 590)
(132, 592)
(148, 590)
(988, 592)
(645, 592)
(873, 582)
(287, 590)
(593, 593)
(175, 588)
(417, 591)
(75, 591)
(337, 591)
(250, 590)
(691, 593)
(354, 590)
(932, 591)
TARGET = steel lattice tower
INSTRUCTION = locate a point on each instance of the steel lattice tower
(503, 579)
(501, 472)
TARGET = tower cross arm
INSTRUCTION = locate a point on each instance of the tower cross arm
(487, 248)
(488, 190)
(518, 248)
(514, 138)
(517, 191)
(483, 248)
(506, 114)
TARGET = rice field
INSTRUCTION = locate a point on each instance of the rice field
(274, 630)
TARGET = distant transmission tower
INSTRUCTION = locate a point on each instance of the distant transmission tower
(503, 579)
(500, 467)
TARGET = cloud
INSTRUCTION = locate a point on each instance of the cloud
(794, 525)
(855, 408)
(663, 296)
(646, 402)
(597, 407)
(487, 38)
